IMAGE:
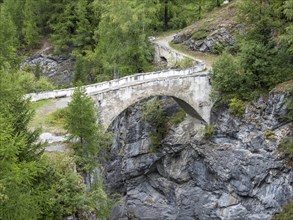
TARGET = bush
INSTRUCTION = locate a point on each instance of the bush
(178, 117)
(269, 134)
(227, 81)
(58, 117)
(286, 213)
(287, 147)
(208, 131)
(185, 63)
(30, 83)
(203, 33)
(153, 113)
(256, 69)
(237, 107)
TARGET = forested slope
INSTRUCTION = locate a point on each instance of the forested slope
(103, 37)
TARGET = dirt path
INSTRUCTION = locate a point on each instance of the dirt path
(164, 41)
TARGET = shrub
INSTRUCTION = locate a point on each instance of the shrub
(58, 117)
(207, 131)
(227, 81)
(287, 147)
(237, 107)
(185, 63)
(286, 213)
(178, 117)
(30, 83)
(203, 33)
(269, 134)
(154, 114)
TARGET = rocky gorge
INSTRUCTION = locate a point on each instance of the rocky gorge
(237, 173)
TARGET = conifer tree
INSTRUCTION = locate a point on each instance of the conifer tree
(30, 28)
(8, 38)
(87, 136)
(123, 39)
(83, 38)
(63, 23)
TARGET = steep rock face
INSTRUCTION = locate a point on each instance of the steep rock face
(59, 69)
(237, 174)
(217, 37)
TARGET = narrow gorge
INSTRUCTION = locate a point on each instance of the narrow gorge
(237, 173)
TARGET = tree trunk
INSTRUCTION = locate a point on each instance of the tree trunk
(166, 16)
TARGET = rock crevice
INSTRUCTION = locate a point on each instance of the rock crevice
(237, 174)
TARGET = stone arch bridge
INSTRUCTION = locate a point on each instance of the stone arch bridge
(189, 87)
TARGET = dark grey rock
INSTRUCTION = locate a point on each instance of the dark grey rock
(219, 37)
(238, 174)
(179, 38)
(59, 69)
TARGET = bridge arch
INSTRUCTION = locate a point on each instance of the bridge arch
(190, 92)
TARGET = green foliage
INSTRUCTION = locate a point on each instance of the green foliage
(198, 35)
(88, 138)
(8, 38)
(68, 193)
(185, 63)
(30, 26)
(73, 25)
(17, 109)
(255, 70)
(269, 134)
(207, 131)
(226, 78)
(123, 39)
(286, 213)
(261, 62)
(58, 117)
(237, 107)
(178, 117)
(154, 114)
(175, 14)
(30, 83)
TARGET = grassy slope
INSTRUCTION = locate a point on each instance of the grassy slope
(225, 15)
(43, 110)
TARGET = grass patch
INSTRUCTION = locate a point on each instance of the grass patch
(237, 107)
(270, 135)
(45, 118)
(39, 104)
(286, 213)
(207, 131)
(285, 86)
(185, 63)
(209, 59)
(201, 34)
(57, 118)
(177, 118)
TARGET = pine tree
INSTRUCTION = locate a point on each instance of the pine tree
(63, 23)
(287, 36)
(83, 38)
(30, 28)
(8, 39)
(87, 136)
(123, 39)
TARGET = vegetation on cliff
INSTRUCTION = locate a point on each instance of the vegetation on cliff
(263, 55)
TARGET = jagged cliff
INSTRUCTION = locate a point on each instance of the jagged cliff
(237, 174)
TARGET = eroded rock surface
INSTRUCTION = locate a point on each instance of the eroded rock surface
(59, 69)
(237, 174)
(217, 37)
